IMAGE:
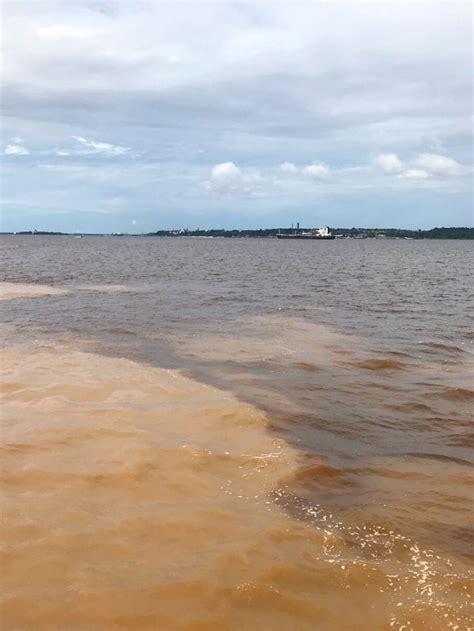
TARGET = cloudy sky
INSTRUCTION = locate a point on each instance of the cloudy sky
(133, 116)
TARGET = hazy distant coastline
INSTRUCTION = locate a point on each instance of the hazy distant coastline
(350, 233)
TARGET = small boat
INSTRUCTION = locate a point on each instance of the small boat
(316, 234)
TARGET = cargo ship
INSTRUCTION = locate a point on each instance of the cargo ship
(318, 233)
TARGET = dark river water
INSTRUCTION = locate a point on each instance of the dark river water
(359, 354)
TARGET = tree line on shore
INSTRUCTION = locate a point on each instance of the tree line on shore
(355, 233)
(391, 233)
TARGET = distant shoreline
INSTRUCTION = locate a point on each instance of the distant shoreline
(348, 233)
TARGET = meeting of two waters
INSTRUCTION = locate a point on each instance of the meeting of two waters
(237, 433)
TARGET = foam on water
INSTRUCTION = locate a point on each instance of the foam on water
(10, 291)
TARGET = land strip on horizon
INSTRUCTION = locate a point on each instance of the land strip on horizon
(354, 233)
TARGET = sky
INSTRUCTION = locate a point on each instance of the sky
(135, 116)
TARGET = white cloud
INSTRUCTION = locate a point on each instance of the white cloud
(438, 165)
(316, 171)
(16, 147)
(288, 167)
(415, 174)
(389, 163)
(16, 150)
(228, 179)
(102, 147)
(425, 165)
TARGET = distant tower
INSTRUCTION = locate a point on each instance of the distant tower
(298, 225)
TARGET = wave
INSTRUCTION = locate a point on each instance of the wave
(457, 394)
(380, 364)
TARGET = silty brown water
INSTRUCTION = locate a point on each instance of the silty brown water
(322, 479)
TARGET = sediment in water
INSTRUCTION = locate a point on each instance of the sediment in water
(136, 498)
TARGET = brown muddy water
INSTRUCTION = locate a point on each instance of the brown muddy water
(236, 434)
